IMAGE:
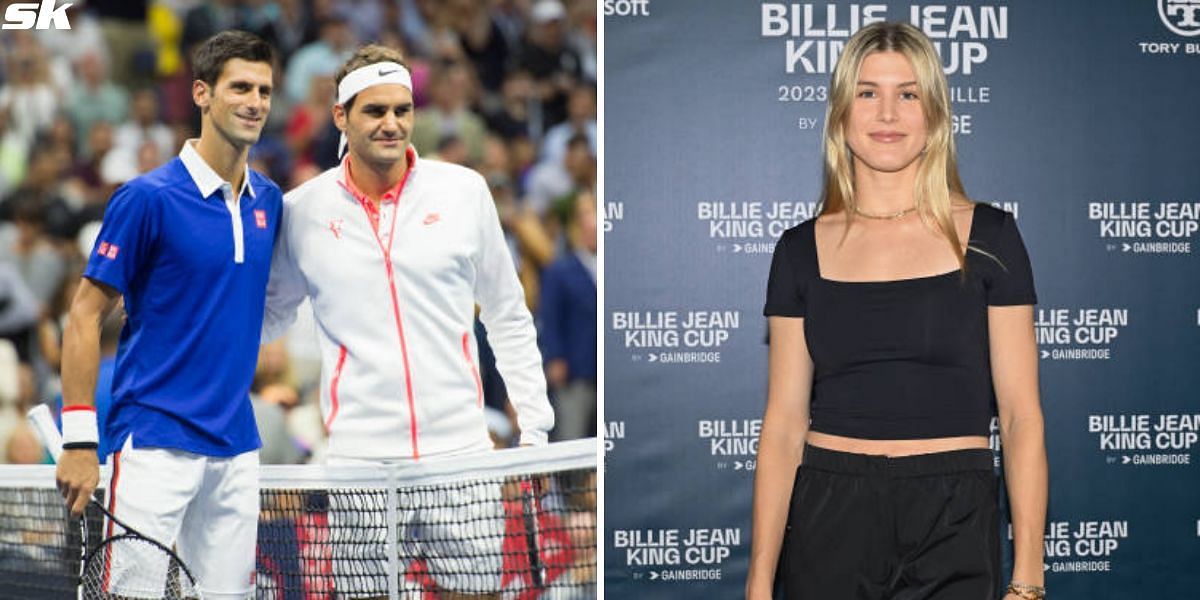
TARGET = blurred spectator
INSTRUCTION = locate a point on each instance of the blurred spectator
(85, 175)
(14, 433)
(367, 18)
(8, 372)
(582, 37)
(60, 137)
(449, 115)
(65, 47)
(416, 18)
(581, 119)
(14, 153)
(555, 66)
(28, 94)
(143, 125)
(510, 17)
(567, 319)
(319, 58)
(517, 112)
(452, 150)
(531, 247)
(30, 251)
(94, 97)
(273, 396)
(123, 24)
(23, 447)
(291, 25)
(43, 190)
(309, 119)
(19, 311)
(553, 183)
(481, 40)
(264, 18)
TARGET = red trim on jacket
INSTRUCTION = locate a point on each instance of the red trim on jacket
(466, 344)
(333, 385)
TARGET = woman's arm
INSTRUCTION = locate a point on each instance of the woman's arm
(780, 447)
(1015, 376)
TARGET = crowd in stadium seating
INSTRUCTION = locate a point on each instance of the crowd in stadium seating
(506, 87)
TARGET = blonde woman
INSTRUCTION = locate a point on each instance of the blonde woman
(901, 320)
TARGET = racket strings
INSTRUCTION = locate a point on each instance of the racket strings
(127, 566)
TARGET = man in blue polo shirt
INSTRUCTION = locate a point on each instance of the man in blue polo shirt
(188, 246)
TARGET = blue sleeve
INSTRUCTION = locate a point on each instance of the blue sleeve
(550, 311)
(126, 237)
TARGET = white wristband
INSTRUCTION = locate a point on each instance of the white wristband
(79, 425)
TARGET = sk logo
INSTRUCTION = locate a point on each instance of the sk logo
(35, 15)
(260, 218)
(432, 218)
(1180, 16)
(335, 225)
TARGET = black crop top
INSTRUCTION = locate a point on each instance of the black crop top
(905, 359)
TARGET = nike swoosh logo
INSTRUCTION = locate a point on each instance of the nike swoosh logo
(383, 73)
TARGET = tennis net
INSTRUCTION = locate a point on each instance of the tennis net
(514, 524)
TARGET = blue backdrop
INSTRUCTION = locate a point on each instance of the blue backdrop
(1079, 117)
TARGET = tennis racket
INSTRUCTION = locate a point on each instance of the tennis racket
(530, 492)
(125, 564)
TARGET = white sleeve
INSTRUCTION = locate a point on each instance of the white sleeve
(286, 287)
(509, 325)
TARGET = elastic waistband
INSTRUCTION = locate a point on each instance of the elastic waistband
(917, 465)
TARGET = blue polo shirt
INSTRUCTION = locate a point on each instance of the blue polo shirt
(191, 260)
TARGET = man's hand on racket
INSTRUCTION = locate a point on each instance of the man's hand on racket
(77, 475)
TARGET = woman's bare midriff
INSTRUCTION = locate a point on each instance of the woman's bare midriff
(895, 447)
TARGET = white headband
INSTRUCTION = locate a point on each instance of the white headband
(369, 76)
(372, 75)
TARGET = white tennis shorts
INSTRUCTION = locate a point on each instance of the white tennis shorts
(456, 533)
(206, 506)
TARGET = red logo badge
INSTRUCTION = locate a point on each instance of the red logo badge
(260, 218)
(108, 250)
(432, 218)
(335, 225)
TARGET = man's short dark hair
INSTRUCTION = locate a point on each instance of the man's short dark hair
(209, 58)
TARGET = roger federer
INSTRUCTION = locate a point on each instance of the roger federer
(189, 247)
(395, 251)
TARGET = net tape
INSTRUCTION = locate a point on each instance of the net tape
(518, 523)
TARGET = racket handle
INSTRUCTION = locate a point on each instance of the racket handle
(43, 423)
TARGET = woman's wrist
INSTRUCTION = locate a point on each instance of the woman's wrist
(1026, 591)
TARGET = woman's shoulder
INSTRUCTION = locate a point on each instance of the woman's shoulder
(988, 221)
(802, 230)
(798, 243)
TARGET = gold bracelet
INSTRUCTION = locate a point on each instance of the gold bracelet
(1026, 591)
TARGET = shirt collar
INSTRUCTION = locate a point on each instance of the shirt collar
(205, 177)
(391, 195)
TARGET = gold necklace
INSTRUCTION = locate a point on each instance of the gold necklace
(886, 217)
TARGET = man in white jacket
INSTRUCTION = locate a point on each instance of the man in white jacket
(394, 252)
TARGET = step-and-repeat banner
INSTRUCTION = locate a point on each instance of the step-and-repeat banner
(1080, 117)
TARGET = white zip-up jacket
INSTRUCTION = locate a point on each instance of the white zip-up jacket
(399, 376)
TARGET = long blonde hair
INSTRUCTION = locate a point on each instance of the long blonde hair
(937, 175)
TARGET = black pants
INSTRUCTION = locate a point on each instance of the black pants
(909, 528)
